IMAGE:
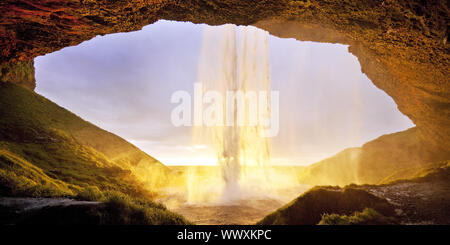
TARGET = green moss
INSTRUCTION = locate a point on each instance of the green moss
(121, 209)
(63, 148)
(308, 208)
(47, 151)
(114, 208)
(19, 177)
(367, 217)
(91, 193)
(437, 171)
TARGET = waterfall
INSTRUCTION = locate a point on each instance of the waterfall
(234, 61)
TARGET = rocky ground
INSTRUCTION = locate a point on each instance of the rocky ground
(418, 203)
(242, 213)
(13, 209)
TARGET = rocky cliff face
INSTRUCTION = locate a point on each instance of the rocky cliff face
(401, 45)
(19, 72)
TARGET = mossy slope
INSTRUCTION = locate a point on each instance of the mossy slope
(308, 208)
(387, 158)
(46, 150)
(113, 208)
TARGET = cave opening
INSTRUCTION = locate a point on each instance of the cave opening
(123, 83)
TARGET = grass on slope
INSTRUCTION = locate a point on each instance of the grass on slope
(387, 158)
(309, 208)
(18, 177)
(433, 171)
(46, 150)
(367, 217)
(115, 208)
(121, 209)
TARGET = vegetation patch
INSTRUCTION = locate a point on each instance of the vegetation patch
(309, 208)
(115, 208)
(47, 151)
(18, 177)
(367, 217)
(437, 171)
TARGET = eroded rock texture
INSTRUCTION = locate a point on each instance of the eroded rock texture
(19, 72)
(401, 45)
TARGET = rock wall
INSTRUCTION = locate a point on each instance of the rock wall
(401, 45)
(19, 72)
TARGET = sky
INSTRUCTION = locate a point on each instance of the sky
(123, 83)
